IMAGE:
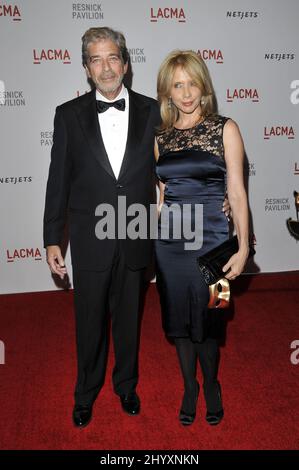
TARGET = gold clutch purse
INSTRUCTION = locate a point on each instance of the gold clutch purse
(219, 294)
(210, 266)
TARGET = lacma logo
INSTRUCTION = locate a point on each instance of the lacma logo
(209, 54)
(50, 55)
(23, 253)
(11, 11)
(176, 14)
(242, 94)
(279, 131)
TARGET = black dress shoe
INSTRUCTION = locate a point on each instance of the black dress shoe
(130, 403)
(187, 417)
(213, 398)
(82, 415)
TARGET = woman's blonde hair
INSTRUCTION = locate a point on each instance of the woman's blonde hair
(194, 65)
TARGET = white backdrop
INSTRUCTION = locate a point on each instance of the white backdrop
(251, 49)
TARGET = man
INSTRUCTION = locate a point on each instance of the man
(98, 154)
(102, 149)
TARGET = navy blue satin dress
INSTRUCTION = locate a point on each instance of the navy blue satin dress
(192, 166)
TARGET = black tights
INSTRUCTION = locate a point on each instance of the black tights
(208, 355)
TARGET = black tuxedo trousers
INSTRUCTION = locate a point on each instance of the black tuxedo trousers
(100, 295)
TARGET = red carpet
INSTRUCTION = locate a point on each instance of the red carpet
(260, 384)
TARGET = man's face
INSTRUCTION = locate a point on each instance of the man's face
(105, 67)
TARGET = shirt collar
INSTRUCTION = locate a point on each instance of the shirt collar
(122, 94)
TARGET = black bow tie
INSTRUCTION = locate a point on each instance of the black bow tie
(102, 106)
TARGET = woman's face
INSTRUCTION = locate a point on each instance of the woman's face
(185, 94)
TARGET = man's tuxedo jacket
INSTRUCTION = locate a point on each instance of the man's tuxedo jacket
(81, 178)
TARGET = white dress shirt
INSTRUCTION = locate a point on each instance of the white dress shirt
(114, 129)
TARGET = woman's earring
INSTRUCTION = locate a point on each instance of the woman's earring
(169, 102)
(202, 101)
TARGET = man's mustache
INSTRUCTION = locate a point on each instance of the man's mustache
(108, 76)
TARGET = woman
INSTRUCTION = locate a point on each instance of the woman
(199, 157)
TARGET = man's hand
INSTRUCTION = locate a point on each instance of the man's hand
(56, 261)
(226, 208)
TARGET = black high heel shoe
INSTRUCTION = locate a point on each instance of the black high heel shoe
(187, 418)
(214, 418)
(213, 399)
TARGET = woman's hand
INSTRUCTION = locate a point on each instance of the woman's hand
(226, 208)
(236, 264)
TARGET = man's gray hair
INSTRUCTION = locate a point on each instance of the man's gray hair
(96, 34)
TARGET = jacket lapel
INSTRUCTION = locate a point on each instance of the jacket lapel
(138, 116)
(88, 118)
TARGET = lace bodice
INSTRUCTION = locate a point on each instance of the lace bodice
(206, 136)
